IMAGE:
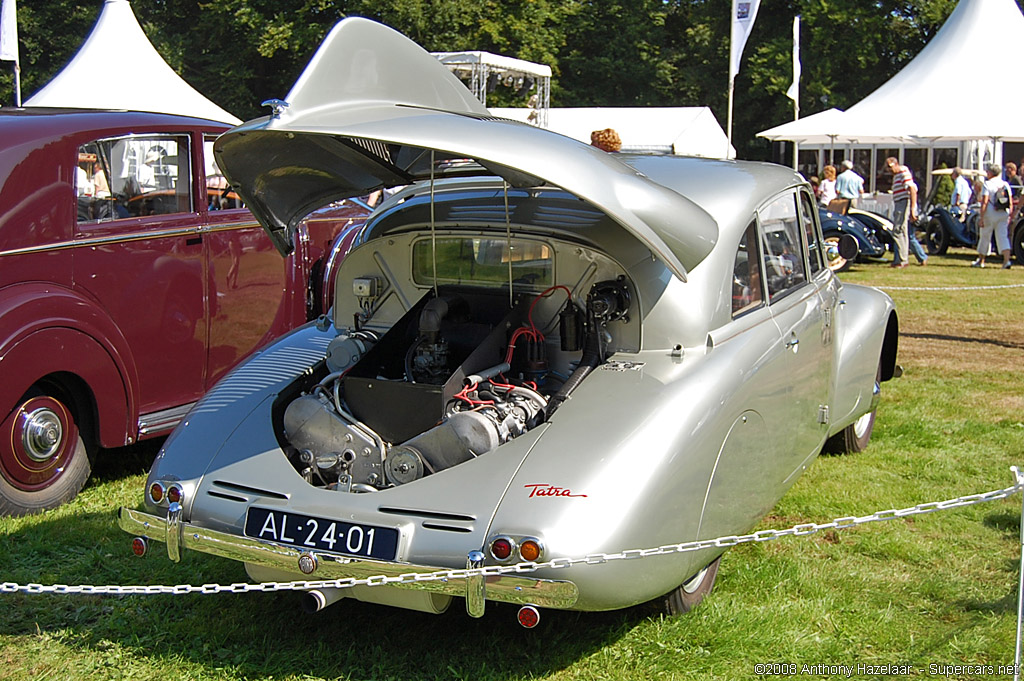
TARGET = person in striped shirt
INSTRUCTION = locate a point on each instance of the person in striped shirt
(904, 201)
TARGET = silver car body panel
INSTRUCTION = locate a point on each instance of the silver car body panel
(373, 110)
(693, 426)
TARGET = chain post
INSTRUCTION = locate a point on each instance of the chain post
(1020, 588)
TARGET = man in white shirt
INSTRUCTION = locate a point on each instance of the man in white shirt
(849, 185)
(961, 192)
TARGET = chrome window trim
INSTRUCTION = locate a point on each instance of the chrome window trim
(132, 236)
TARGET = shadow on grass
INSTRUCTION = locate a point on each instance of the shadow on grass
(964, 339)
(267, 635)
(121, 462)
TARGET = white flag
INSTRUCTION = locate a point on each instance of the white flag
(8, 31)
(794, 90)
(743, 14)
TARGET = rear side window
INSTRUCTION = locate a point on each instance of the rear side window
(814, 250)
(747, 282)
(133, 176)
(783, 248)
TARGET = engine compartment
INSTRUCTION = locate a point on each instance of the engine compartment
(464, 371)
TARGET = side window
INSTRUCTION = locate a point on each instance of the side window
(219, 195)
(783, 253)
(747, 286)
(133, 176)
(814, 247)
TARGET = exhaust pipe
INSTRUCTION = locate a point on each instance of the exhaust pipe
(316, 600)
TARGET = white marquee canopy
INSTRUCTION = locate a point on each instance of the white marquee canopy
(116, 39)
(688, 131)
(944, 94)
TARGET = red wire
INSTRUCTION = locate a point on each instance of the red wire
(530, 329)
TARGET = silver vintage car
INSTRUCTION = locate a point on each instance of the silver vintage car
(538, 351)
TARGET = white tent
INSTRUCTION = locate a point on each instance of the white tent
(687, 131)
(944, 93)
(118, 40)
(483, 72)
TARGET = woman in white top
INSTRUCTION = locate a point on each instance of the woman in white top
(828, 185)
(994, 216)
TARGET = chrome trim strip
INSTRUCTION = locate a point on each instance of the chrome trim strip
(163, 420)
(127, 238)
(505, 588)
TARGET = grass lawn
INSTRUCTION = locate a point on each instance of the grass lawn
(938, 589)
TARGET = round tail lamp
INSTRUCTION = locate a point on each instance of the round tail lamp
(528, 616)
(175, 494)
(530, 550)
(156, 492)
(502, 548)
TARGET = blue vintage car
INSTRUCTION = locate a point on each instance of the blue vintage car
(835, 225)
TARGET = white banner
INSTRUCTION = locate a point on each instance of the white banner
(8, 31)
(743, 14)
(794, 90)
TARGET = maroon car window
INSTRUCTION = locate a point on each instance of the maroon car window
(133, 177)
(747, 287)
(219, 194)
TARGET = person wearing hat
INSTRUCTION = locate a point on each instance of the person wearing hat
(849, 185)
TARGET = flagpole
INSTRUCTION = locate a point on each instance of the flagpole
(17, 85)
(728, 124)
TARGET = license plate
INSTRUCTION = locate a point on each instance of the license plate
(335, 536)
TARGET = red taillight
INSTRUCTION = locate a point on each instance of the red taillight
(139, 546)
(530, 550)
(502, 548)
(174, 494)
(528, 616)
(156, 492)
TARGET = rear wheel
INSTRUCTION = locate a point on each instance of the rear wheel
(936, 238)
(43, 458)
(685, 597)
(1018, 243)
(854, 437)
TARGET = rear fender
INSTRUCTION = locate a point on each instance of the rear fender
(47, 330)
(862, 345)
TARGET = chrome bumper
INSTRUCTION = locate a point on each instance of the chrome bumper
(180, 536)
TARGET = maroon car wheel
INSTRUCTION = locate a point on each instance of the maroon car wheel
(43, 460)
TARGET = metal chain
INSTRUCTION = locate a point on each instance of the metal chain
(800, 530)
(946, 288)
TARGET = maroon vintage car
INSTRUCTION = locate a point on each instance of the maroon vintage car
(131, 280)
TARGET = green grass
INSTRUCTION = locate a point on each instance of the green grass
(933, 589)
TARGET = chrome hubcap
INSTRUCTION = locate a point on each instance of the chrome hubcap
(860, 427)
(694, 584)
(42, 434)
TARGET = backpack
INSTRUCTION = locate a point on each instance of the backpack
(1001, 200)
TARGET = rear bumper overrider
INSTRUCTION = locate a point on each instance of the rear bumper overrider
(182, 536)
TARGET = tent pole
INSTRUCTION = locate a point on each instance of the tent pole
(728, 125)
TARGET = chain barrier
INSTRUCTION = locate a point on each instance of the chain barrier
(946, 288)
(800, 530)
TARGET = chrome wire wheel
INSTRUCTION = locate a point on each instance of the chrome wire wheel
(43, 459)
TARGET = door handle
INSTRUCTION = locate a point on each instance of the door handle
(792, 342)
(194, 240)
